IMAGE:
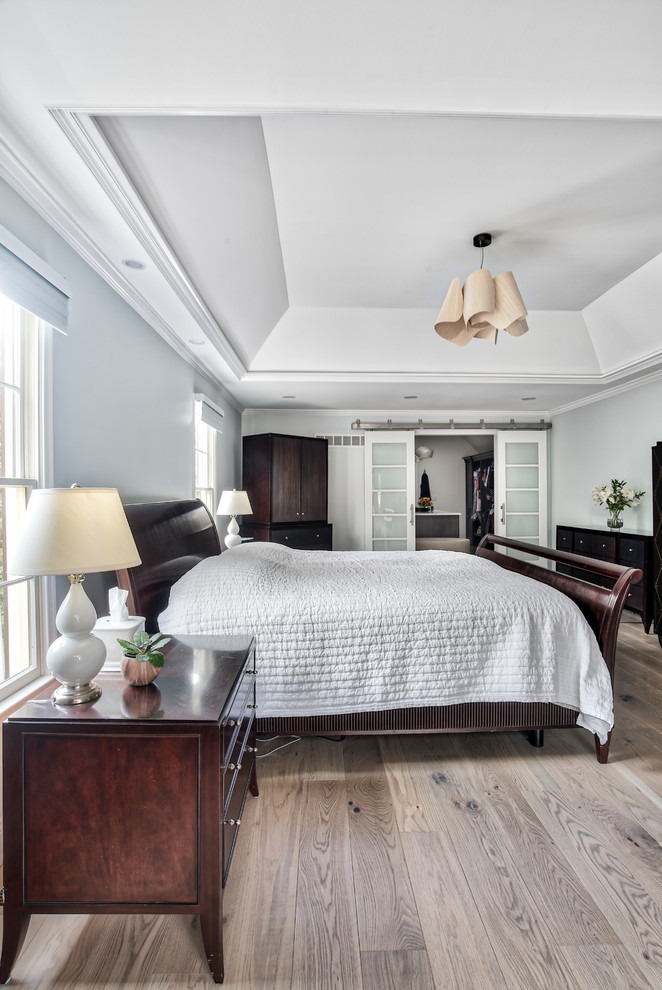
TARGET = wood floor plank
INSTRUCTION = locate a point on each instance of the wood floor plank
(260, 896)
(459, 949)
(326, 946)
(571, 914)
(626, 904)
(596, 967)
(396, 970)
(527, 954)
(385, 907)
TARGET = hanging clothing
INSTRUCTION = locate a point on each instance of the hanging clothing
(425, 486)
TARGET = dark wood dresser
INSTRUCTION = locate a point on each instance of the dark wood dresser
(286, 479)
(632, 548)
(657, 539)
(131, 805)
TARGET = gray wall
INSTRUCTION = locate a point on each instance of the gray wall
(122, 398)
(595, 443)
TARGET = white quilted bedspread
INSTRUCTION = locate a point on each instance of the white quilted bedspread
(360, 631)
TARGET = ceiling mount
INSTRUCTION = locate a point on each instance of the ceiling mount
(482, 240)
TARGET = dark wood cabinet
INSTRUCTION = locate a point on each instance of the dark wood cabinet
(657, 539)
(131, 805)
(286, 479)
(630, 548)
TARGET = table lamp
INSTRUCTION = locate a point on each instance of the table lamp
(234, 504)
(74, 531)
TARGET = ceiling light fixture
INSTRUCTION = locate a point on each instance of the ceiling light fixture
(133, 263)
(483, 306)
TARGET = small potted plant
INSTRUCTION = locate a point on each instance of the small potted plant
(142, 658)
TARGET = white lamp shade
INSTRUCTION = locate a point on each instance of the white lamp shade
(234, 503)
(73, 531)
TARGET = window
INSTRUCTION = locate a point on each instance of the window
(33, 298)
(21, 469)
(208, 422)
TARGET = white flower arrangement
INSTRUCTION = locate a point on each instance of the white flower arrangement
(617, 497)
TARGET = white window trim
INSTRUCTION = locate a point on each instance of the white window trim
(28, 682)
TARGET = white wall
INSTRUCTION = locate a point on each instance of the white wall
(595, 443)
(122, 398)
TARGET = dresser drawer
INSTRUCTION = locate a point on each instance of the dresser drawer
(563, 539)
(233, 812)
(303, 537)
(633, 551)
(600, 545)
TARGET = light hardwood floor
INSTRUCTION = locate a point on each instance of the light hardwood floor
(421, 863)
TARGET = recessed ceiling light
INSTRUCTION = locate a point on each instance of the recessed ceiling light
(196, 343)
(529, 398)
(133, 263)
(409, 396)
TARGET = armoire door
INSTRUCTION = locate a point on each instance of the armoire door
(314, 480)
(390, 482)
(521, 486)
(286, 480)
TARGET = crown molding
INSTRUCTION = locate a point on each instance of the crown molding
(419, 378)
(86, 138)
(654, 376)
(32, 190)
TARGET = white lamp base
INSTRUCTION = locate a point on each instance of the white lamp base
(77, 656)
(233, 538)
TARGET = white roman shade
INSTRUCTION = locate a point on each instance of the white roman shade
(28, 281)
(210, 413)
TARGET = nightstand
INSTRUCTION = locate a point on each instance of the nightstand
(132, 805)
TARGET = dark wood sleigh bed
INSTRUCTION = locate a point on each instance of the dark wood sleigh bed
(173, 536)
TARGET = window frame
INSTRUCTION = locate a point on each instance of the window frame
(36, 416)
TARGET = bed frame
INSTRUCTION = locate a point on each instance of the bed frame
(172, 536)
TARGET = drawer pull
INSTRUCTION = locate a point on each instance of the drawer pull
(251, 671)
(231, 722)
(630, 549)
(231, 821)
(234, 766)
(251, 749)
(252, 706)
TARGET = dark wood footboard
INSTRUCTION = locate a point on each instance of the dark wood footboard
(172, 536)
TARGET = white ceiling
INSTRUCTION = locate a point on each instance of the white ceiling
(303, 183)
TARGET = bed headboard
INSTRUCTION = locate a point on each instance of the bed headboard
(171, 537)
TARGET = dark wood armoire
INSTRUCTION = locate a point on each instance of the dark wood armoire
(657, 539)
(286, 479)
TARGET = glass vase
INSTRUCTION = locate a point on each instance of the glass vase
(614, 520)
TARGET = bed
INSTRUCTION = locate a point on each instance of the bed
(532, 634)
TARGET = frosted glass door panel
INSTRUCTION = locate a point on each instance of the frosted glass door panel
(522, 527)
(389, 453)
(522, 453)
(521, 485)
(389, 459)
(522, 501)
(522, 477)
(389, 501)
(389, 478)
(389, 527)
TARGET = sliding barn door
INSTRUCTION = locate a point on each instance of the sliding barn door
(521, 486)
(390, 483)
